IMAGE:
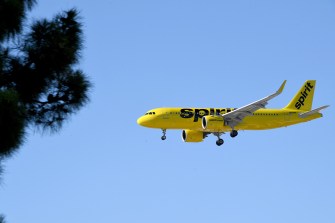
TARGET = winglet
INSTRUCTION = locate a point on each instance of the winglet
(281, 87)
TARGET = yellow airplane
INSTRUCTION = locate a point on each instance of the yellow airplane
(198, 123)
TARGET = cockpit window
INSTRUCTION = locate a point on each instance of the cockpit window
(150, 113)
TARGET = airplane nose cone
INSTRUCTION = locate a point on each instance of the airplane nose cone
(145, 121)
(140, 121)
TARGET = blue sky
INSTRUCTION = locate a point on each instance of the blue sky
(103, 167)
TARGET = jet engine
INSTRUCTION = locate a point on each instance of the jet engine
(212, 123)
(192, 136)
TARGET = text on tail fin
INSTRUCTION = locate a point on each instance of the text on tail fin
(304, 98)
(304, 95)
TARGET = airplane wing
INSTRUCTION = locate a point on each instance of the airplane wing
(236, 116)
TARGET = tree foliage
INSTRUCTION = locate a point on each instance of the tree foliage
(12, 15)
(2, 219)
(11, 122)
(40, 84)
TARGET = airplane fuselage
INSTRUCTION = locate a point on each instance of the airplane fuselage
(197, 123)
(191, 118)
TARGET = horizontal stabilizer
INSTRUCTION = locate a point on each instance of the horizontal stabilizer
(305, 114)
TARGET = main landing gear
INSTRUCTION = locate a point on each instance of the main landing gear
(233, 133)
(220, 141)
(164, 134)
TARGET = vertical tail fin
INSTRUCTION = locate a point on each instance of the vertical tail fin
(304, 98)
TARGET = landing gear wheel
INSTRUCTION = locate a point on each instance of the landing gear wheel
(219, 142)
(233, 133)
(164, 133)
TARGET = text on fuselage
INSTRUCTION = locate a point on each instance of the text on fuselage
(198, 113)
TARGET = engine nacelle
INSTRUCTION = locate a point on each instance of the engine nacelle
(192, 136)
(213, 123)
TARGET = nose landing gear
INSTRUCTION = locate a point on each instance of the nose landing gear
(164, 134)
